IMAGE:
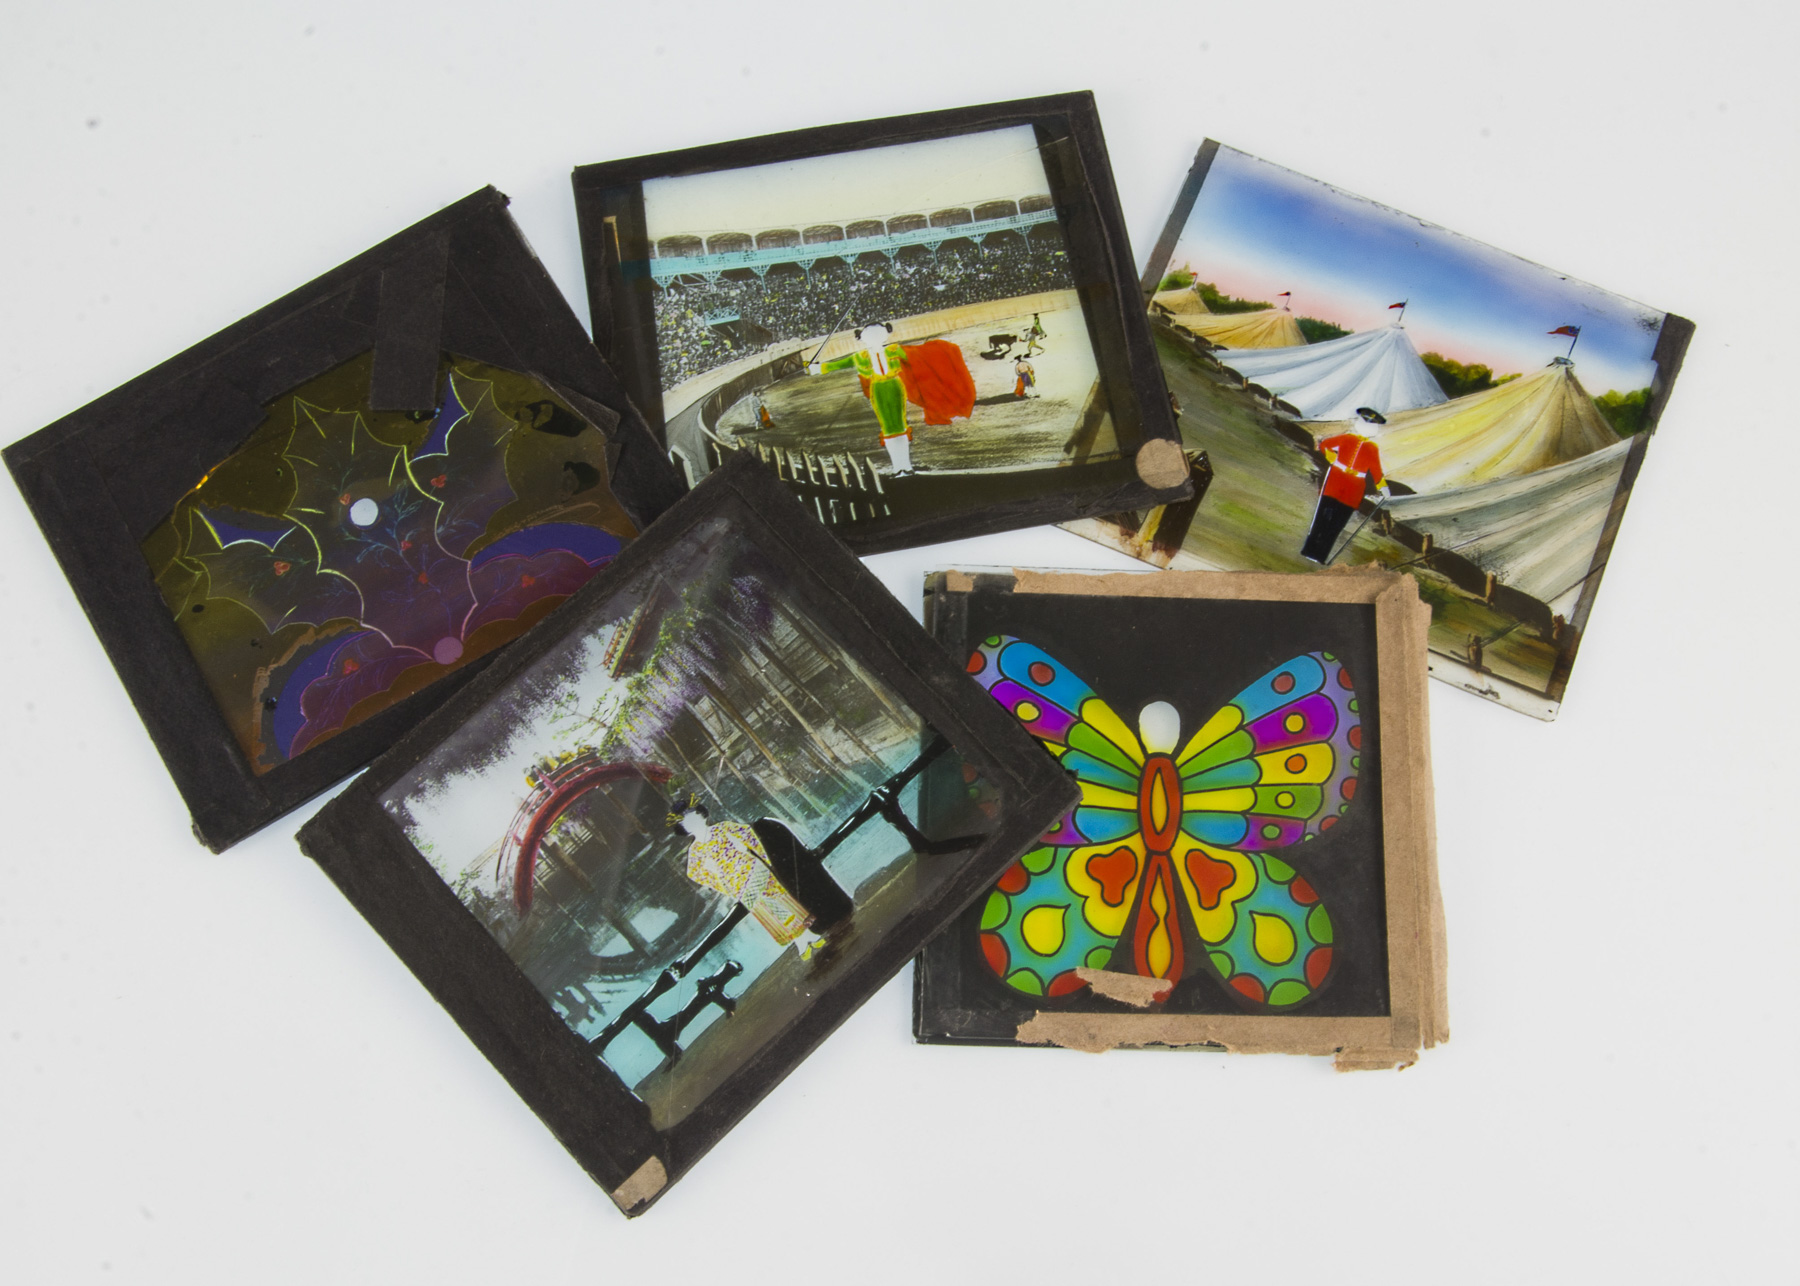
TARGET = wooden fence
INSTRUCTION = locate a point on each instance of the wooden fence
(840, 488)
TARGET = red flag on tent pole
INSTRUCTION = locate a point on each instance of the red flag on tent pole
(1573, 332)
(1402, 307)
(1286, 294)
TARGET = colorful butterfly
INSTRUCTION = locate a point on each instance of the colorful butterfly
(1170, 832)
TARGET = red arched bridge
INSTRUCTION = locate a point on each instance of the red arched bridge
(555, 785)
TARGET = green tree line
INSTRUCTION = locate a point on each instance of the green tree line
(1458, 379)
(1624, 411)
(1210, 296)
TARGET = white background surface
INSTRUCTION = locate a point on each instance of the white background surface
(212, 1071)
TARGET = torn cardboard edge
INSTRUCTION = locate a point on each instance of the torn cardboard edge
(1357, 1044)
(645, 1182)
(1418, 1005)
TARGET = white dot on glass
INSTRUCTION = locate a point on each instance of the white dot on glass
(1159, 723)
(364, 512)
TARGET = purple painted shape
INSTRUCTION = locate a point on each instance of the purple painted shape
(1319, 711)
(1289, 831)
(289, 716)
(593, 545)
(505, 587)
(447, 416)
(1053, 722)
(1064, 832)
(989, 672)
(1342, 770)
(365, 666)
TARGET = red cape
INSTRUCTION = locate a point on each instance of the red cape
(937, 379)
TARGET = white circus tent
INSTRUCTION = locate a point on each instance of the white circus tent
(1536, 532)
(1264, 328)
(1519, 427)
(1330, 380)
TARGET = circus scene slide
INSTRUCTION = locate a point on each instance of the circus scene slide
(872, 321)
(1369, 389)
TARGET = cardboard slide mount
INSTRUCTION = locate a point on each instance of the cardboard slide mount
(589, 1108)
(100, 479)
(958, 1000)
(1152, 470)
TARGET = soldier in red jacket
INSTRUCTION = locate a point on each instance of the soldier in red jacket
(1354, 464)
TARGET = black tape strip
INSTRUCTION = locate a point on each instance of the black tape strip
(408, 325)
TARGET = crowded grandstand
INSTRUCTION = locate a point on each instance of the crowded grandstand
(705, 319)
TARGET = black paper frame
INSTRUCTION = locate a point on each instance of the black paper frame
(588, 1107)
(610, 211)
(98, 480)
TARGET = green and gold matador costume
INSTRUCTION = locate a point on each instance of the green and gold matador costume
(887, 391)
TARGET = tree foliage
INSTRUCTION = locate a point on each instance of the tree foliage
(1215, 302)
(1317, 331)
(1218, 303)
(1458, 379)
(1624, 411)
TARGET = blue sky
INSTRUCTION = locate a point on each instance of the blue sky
(1257, 229)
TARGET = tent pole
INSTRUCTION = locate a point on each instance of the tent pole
(1353, 535)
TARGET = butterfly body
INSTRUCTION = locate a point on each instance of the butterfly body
(1167, 865)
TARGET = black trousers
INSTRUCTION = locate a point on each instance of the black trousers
(802, 873)
(1328, 525)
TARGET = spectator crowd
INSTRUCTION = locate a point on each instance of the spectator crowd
(789, 303)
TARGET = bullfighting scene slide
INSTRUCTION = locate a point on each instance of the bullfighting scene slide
(901, 320)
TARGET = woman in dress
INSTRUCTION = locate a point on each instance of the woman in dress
(779, 881)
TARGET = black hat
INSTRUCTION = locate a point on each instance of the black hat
(1370, 414)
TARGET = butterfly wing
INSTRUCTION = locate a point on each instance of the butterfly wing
(1064, 904)
(1275, 767)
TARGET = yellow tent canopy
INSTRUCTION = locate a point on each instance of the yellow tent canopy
(1264, 328)
(1185, 300)
(1517, 428)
